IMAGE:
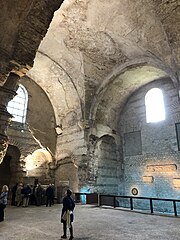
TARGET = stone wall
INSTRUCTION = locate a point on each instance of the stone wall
(37, 132)
(40, 114)
(71, 147)
(155, 170)
(22, 36)
(104, 163)
(106, 166)
(11, 169)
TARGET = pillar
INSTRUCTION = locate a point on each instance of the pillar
(7, 93)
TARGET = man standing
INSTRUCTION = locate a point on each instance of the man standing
(27, 192)
(13, 191)
(67, 214)
(38, 194)
(49, 195)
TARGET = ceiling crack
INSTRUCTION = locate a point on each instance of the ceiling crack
(80, 100)
(64, 92)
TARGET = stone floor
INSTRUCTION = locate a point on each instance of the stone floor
(91, 223)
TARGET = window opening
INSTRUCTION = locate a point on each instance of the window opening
(154, 101)
(18, 105)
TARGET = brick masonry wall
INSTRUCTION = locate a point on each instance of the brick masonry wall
(159, 158)
(106, 166)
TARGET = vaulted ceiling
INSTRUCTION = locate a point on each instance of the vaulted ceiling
(95, 53)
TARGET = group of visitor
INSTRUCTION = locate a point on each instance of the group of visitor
(67, 210)
(33, 195)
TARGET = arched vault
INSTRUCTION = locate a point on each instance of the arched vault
(117, 88)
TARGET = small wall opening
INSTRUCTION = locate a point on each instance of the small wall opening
(155, 110)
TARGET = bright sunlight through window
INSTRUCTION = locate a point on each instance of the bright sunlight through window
(18, 105)
(154, 102)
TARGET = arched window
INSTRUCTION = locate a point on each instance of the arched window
(154, 102)
(18, 105)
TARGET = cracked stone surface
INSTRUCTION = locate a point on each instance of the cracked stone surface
(90, 44)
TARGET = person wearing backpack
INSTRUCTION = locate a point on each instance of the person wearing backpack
(67, 214)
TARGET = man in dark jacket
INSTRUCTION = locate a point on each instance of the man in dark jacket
(67, 214)
(27, 192)
(13, 200)
(38, 192)
(49, 195)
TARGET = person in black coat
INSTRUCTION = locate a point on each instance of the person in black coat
(49, 195)
(27, 192)
(38, 192)
(13, 191)
(67, 214)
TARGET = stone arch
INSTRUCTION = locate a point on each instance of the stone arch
(15, 143)
(37, 165)
(106, 164)
(39, 122)
(120, 82)
(23, 148)
(11, 169)
(63, 87)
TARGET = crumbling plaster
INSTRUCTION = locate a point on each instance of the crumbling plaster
(66, 101)
(93, 57)
(58, 86)
(36, 133)
(88, 40)
(41, 122)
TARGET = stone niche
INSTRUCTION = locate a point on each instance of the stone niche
(36, 164)
(105, 165)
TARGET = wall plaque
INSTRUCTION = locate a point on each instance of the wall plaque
(148, 179)
(176, 182)
(162, 168)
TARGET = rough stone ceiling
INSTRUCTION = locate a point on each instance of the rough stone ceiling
(89, 40)
(23, 25)
(57, 84)
(107, 33)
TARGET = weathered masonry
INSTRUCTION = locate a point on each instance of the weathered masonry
(89, 95)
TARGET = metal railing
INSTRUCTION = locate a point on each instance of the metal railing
(102, 200)
(131, 198)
